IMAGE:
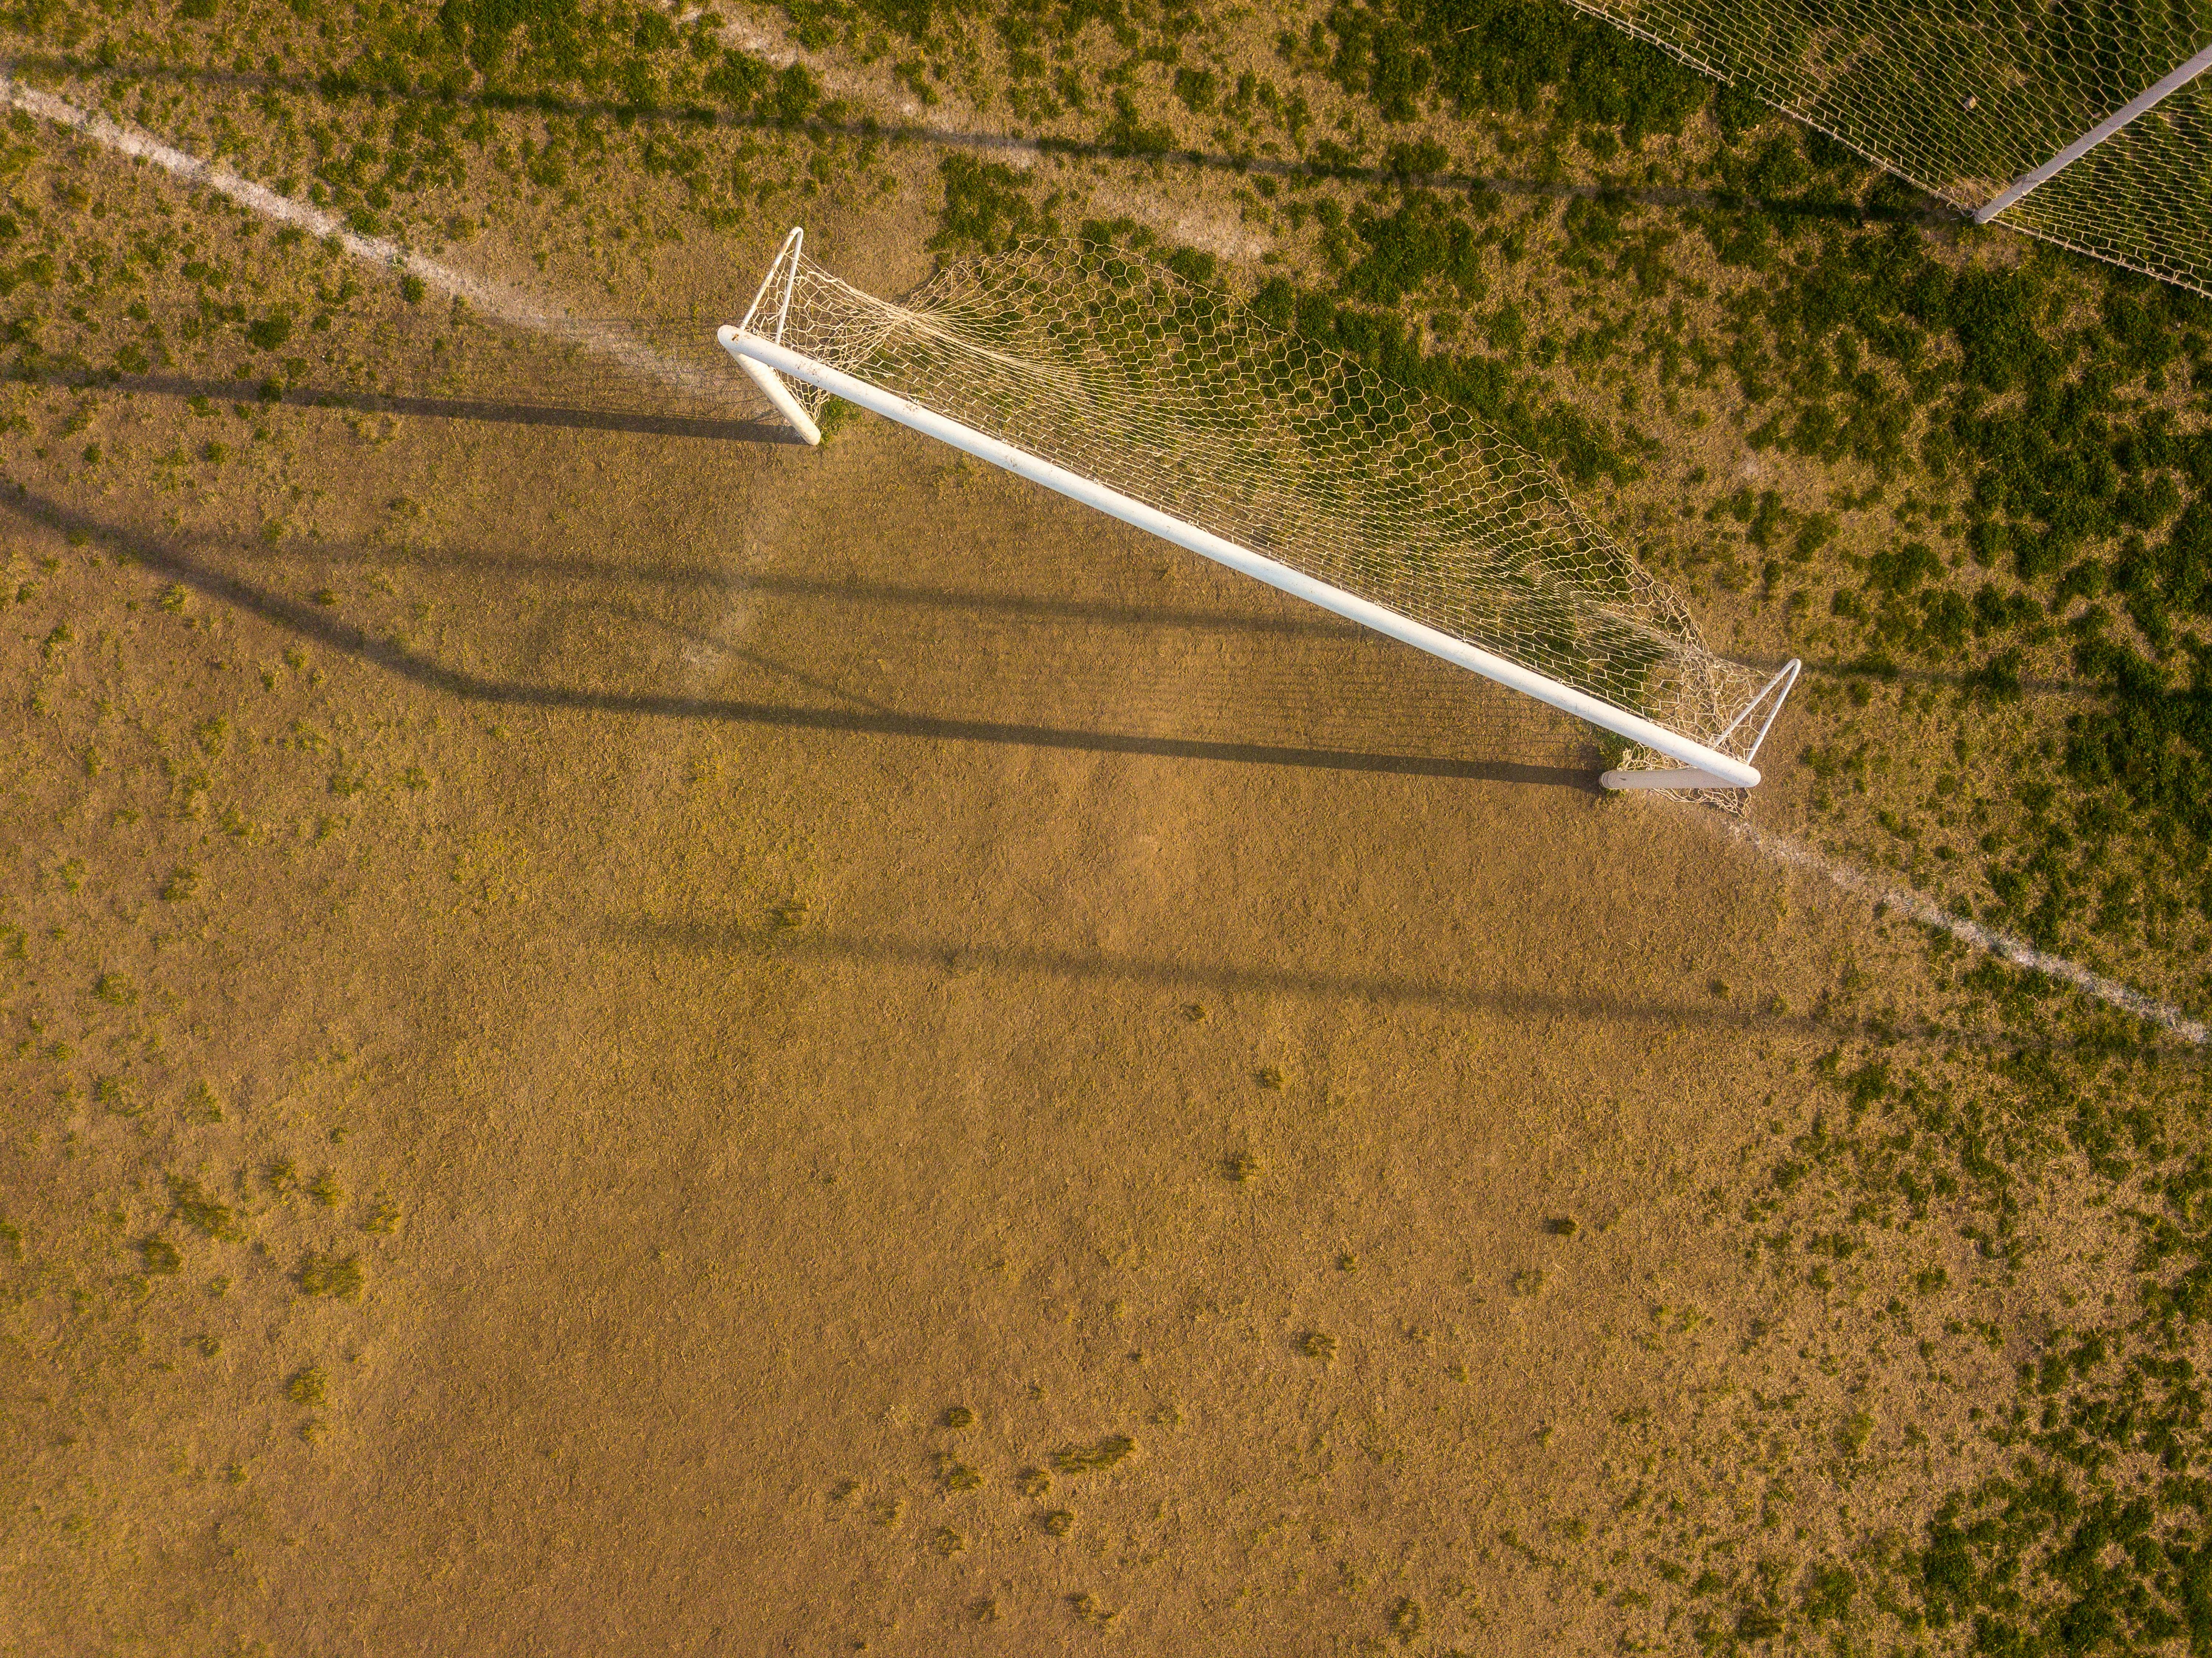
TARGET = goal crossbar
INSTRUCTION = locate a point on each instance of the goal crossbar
(763, 359)
(2145, 102)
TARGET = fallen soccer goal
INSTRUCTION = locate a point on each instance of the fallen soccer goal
(1171, 407)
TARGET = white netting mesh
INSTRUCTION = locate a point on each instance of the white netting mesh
(1962, 97)
(1179, 397)
(2142, 198)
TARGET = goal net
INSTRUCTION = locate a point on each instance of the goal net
(1970, 100)
(1136, 385)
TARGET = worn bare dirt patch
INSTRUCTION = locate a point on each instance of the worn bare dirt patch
(950, 1077)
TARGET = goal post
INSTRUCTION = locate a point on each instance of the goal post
(1058, 371)
(2088, 126)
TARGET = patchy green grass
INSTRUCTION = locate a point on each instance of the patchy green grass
(198, 1208)
(1096, 1457)
(336, 1277)
(1967, 479)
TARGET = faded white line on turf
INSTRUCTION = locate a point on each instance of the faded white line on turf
(492, 298)
(1207, 228)
(513, 306)
(2003, 945)
(495, 300)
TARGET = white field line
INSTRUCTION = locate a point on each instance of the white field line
(2003, 945)
(513, 306)
(1207, 229)
(492, 298)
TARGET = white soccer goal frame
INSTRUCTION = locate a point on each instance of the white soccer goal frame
(2149, 100)
(763, 359)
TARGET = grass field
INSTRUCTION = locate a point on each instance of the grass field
(619, 1034)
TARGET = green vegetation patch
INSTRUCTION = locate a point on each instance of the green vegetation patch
(336, 1277)
(1094, 1458)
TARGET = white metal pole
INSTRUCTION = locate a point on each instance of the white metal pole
(2088, 140)
(1677, 778)
(1720, 770)
(777, 394)
(780, 395)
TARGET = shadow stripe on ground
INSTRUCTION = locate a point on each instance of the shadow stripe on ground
(170, 559)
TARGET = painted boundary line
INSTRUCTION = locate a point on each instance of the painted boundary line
(2003, 945)
(491, 298)
(512, 305)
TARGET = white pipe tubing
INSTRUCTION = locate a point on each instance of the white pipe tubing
(1684, 779)
(2142, 104)
(780, 395)
(1723, 770)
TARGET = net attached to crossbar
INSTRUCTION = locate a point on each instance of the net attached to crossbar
(1964, 97)
(1180, 397)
